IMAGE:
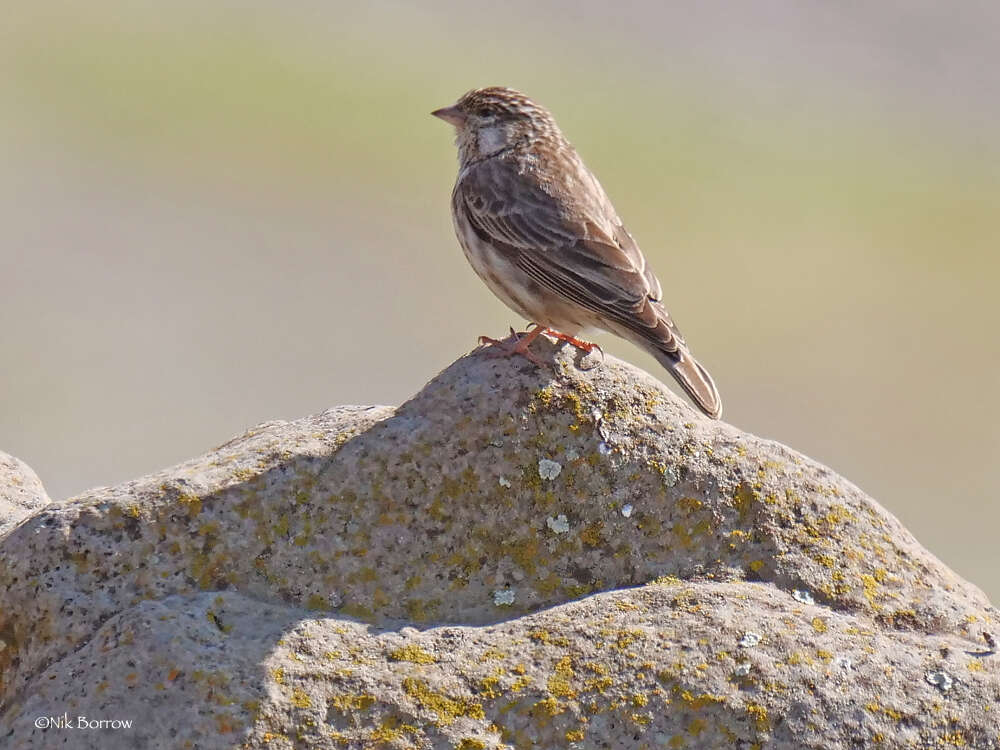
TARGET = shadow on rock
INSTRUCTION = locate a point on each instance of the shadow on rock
(332, 569)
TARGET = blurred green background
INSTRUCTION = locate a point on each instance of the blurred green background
(216, 213)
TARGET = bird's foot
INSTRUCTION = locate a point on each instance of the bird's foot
(514, 345)
(585, 346)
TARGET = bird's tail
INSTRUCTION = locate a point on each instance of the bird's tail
(695, 380)
(659, 335)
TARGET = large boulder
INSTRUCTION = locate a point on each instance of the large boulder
(21, 492)
(516, 557)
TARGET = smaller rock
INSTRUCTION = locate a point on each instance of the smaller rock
(21, 492)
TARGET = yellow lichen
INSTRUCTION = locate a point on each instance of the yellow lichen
(446, 709)
(667, 580)
(682, 535)
(689, 504)
(759, 715)
(743, 500)
(520, 684)
(412, 653)
(558, 683)
(549, 584)
(596, 668)
(542, 398)
(870, 584)
(317, 602)
(193, 503)
(547, 707)
(391, 729)
(345, 702)
(625, 638)
(696, 703)
(489, 687)
(598, 684)
(543, 636)
(591, 535)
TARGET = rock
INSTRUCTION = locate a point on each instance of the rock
(21, 492)
(515, 557)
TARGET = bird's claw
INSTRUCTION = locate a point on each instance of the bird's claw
(584, 346)
(513, 345)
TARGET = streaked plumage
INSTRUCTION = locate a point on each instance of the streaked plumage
(538, 228)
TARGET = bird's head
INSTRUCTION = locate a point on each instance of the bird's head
(490, 120)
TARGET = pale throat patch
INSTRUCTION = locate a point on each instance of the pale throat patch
(492, 139)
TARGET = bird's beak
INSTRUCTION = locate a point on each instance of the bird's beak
(450, 115)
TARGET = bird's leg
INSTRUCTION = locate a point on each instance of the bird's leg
(586, 346)
(520, 347)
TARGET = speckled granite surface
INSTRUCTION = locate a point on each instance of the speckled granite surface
(516, 557)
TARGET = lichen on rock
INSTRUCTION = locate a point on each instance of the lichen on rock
(334, 581)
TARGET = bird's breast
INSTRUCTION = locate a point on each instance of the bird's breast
(514, 287)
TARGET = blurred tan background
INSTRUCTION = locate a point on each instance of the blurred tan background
(214, 214)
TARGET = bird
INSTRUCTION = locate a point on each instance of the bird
(539, 230)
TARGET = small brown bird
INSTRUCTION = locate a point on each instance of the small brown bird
(538, 228)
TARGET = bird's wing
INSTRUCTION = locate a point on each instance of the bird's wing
(574, 246)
